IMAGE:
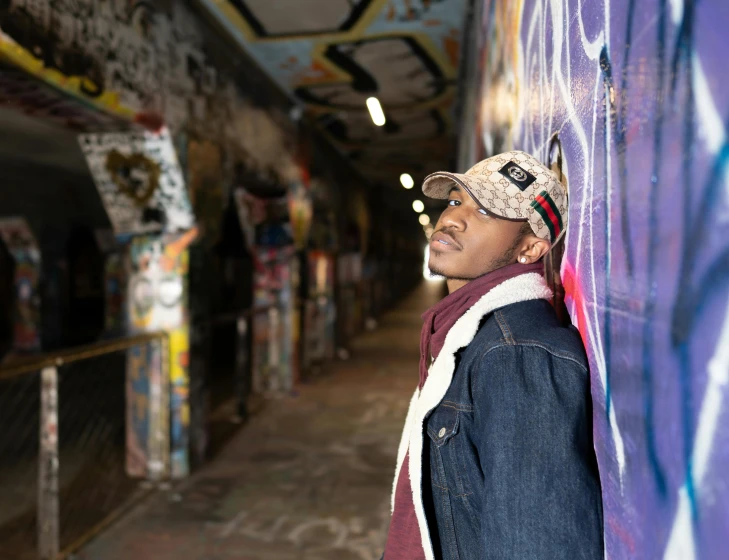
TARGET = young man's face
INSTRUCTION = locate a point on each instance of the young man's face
(468, 243)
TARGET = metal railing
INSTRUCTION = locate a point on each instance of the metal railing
(64, 438)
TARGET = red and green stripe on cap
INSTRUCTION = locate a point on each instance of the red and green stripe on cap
(547, 209)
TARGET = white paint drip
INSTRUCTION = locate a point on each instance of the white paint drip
(592, 48)
(681, 542)
(676, 11)
(710, 121)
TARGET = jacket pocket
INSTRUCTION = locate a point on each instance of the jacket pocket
(442, 425)
(445, 475)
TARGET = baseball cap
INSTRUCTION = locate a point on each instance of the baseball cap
(513, 186)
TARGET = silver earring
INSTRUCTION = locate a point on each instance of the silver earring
(523, 259)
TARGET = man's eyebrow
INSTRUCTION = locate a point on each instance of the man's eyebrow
(455, 188)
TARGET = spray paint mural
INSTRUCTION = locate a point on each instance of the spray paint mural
(632, 98)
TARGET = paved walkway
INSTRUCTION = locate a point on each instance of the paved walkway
(308, 478)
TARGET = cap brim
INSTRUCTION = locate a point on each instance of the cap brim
(439, 185)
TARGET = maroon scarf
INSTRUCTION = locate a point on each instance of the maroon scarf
(439, 319)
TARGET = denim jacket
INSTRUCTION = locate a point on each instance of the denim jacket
(501, 457)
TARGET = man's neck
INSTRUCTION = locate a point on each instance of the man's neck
(455, 284)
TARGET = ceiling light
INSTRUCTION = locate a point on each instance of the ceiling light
(407, 181)
(376, 112)
(418, 206)
(424, 219)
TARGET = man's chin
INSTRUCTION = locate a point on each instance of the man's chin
(437, 270)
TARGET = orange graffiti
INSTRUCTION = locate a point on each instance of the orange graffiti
(315, 74)
(174, 250)
(452, 47)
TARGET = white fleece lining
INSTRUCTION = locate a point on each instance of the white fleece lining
(526, 287)
(403, 448)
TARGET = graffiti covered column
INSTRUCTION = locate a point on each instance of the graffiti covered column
(158, 302)
(141, 186)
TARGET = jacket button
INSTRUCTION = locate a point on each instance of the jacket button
(441, 433)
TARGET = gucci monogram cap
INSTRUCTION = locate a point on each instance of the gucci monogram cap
(514, 186)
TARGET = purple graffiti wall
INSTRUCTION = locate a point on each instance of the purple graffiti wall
(631, 100)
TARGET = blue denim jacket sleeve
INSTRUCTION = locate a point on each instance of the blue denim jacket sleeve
(541, 497)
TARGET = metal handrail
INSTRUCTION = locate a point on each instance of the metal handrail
(36, 363)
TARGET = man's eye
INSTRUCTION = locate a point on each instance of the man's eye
(454, 202)
(483, 211)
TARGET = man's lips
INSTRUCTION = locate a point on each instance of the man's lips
(443, 239)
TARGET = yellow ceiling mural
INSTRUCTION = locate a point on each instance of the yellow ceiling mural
(331, 55)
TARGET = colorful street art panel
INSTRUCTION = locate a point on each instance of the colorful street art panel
(145, 420)
(22, 246)
(273, 329)
(158, 302)
(139, 180)
(631, 101)
(115, 292)
(179, 401)
(158, 282)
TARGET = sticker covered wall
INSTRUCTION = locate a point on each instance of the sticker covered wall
(630, 100)
(139, 180)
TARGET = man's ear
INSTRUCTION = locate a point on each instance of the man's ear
(532, 249)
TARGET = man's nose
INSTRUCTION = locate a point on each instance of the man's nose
(453, 218)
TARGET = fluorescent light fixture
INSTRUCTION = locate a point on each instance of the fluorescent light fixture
(424, 219)
(376, 112)
(418, 206)
(407, 181)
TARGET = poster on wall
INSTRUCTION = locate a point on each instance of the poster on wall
(320, 310)
(21, 244)
(300, 214)
(273, 348)
(139, 180)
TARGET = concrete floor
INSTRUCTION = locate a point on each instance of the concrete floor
(308, 478)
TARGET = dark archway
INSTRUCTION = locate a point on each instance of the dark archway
(85, 303)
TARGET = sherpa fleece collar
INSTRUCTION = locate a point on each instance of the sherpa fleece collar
(521, 288)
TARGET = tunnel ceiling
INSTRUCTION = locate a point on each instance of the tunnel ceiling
(331, 55)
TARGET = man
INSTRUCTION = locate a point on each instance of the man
(496, 459)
